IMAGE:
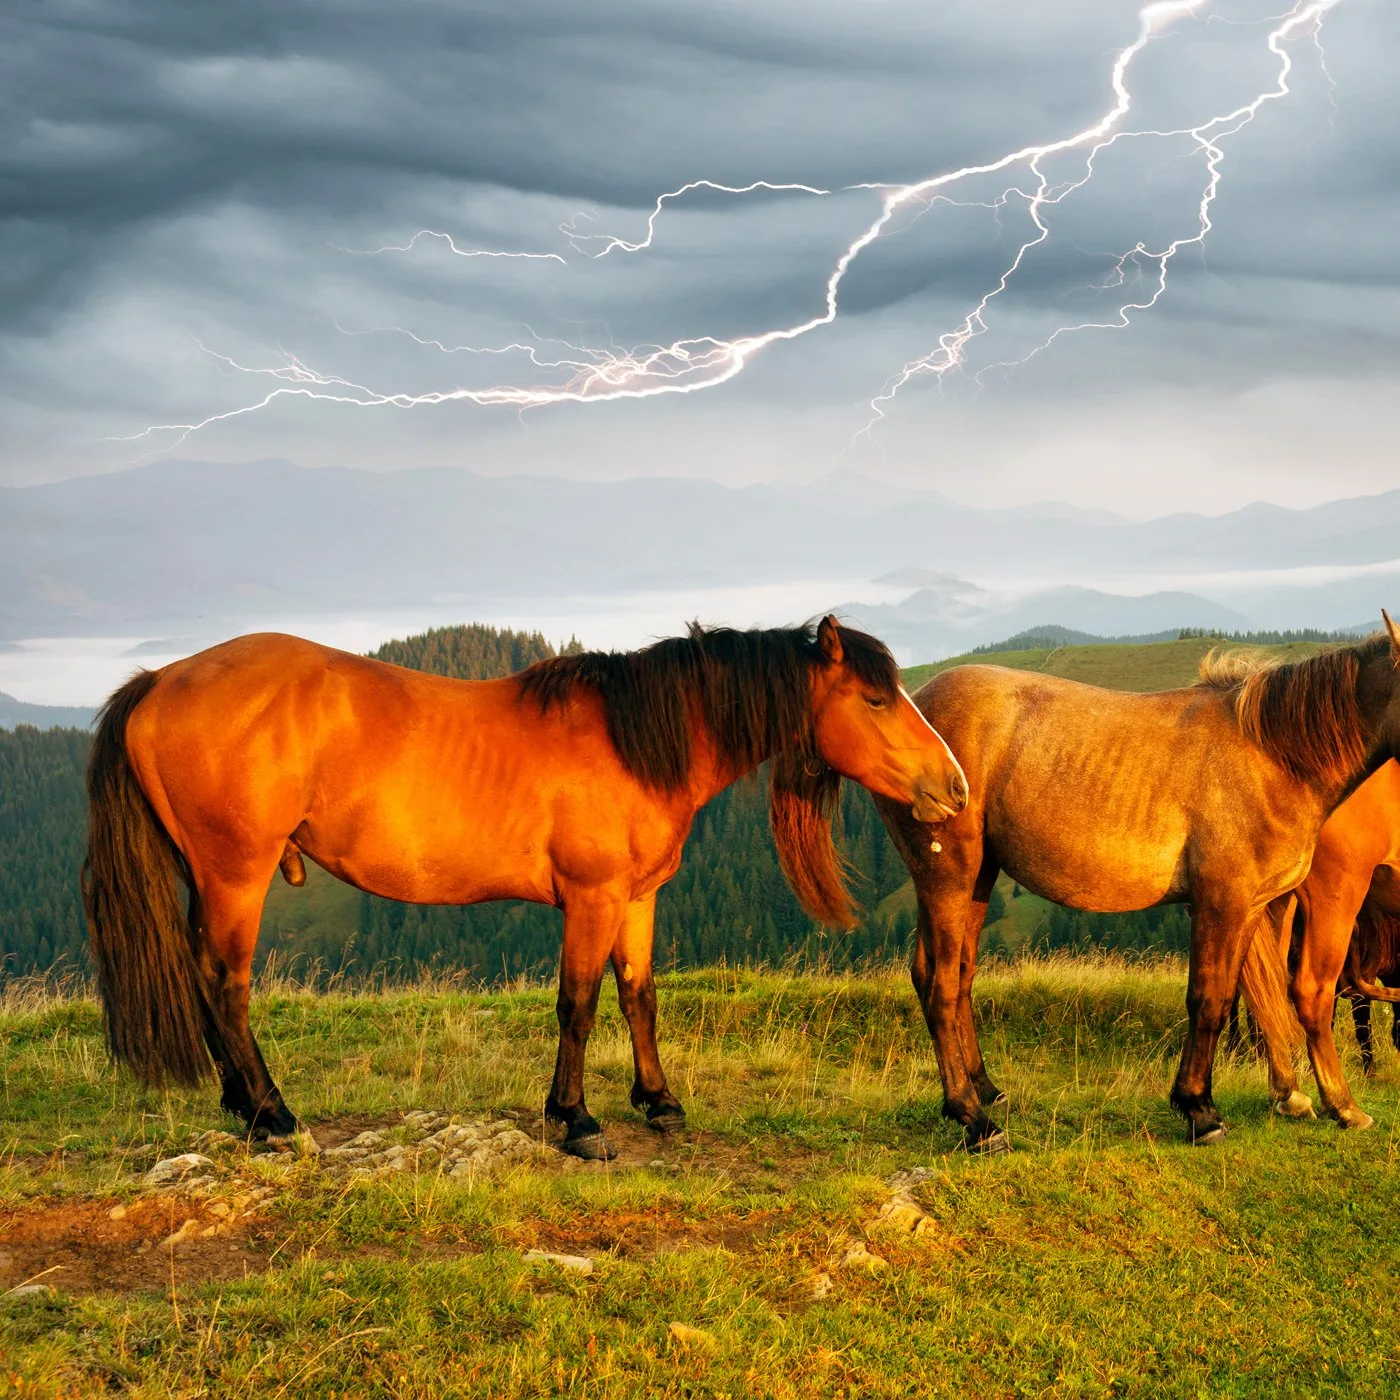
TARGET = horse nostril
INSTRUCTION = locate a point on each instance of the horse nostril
(958, 788)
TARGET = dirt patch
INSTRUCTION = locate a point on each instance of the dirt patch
(643, 1234)
(76, 1246)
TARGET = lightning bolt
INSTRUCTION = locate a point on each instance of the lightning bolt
(688, 365)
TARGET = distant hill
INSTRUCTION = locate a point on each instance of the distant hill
(176, 548)
(15, 712)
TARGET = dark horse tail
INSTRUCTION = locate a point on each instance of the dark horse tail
(148, 972)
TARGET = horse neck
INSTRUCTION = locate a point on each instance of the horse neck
(1375, 688)
(710, 770)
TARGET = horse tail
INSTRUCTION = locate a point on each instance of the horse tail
(1264, 980)
(143, 945)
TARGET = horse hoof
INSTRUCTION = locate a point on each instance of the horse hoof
(995, 1143)
(1354, 1118)
(1210, 1136)
(1296, 1105)
(670, 1119)
(593, 1147)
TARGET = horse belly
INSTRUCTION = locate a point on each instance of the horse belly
(433, 857)
(1103, 869)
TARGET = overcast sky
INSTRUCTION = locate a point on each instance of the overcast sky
(176, 175)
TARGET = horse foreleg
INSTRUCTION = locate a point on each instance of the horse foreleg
(636, 995)
(227, 921)
(591, 927)
(937, 976)
(987, 1091)
(1219, 940)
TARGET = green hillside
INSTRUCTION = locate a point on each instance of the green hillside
(1139, 666)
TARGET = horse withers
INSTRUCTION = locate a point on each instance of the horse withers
(573, 783)
(1109, 802)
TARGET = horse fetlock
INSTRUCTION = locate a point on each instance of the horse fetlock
(1354, 1117)
(1296, 1105)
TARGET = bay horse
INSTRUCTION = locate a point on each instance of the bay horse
(1107, 801)
(1373, 961)
(573, 783)
(1354, 884)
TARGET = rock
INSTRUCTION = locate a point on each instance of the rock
(859, 1257)
(901, 1183)
(176, 1169)
(219, 1208)
(31, 1290)
(117, 1213)
(656, 1163)
(576, 1263)
(216, 1141)
(368, 1140)
(822, 1285)
(696, 1338)
(901, 1213)
(187, 1231)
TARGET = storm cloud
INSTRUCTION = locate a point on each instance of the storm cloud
(174, 176)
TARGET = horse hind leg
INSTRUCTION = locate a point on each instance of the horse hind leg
(227, 919)
(1361, 1022)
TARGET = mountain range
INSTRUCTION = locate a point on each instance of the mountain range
(188, 550)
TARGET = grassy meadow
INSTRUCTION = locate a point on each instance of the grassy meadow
(1103, 1256)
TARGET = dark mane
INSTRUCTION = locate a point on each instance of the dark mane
(1303, 714)
(752, 688)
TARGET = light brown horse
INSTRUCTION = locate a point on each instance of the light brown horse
(1104, 801)
(1356, 863)
(573, 783)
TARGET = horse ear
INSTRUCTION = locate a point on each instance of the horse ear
(829, 641)
(1394, 634)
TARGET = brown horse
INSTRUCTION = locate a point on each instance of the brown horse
(573, 783)
(1373, 960)
(1355, 865)
(1106, 801)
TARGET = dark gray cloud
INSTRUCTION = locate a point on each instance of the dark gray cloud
(172, 173)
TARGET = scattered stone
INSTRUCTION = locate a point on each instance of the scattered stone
(657, 1163)
(859, 1257)
(901, 1183)
(175, 1169)
(696, 1338)
(31, 1290)
(905, 1215)
(216, 1141)
(822, 1285)
(219, 1208)
(577, 1263)
(117, 1213)
(187, 1231)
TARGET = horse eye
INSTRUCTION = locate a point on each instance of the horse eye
(876, 702)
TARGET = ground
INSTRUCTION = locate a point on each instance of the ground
(818, 1230)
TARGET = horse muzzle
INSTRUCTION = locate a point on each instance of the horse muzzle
(938, 803)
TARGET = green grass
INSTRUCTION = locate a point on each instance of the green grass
(1103, 1257)
(1143, 666)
